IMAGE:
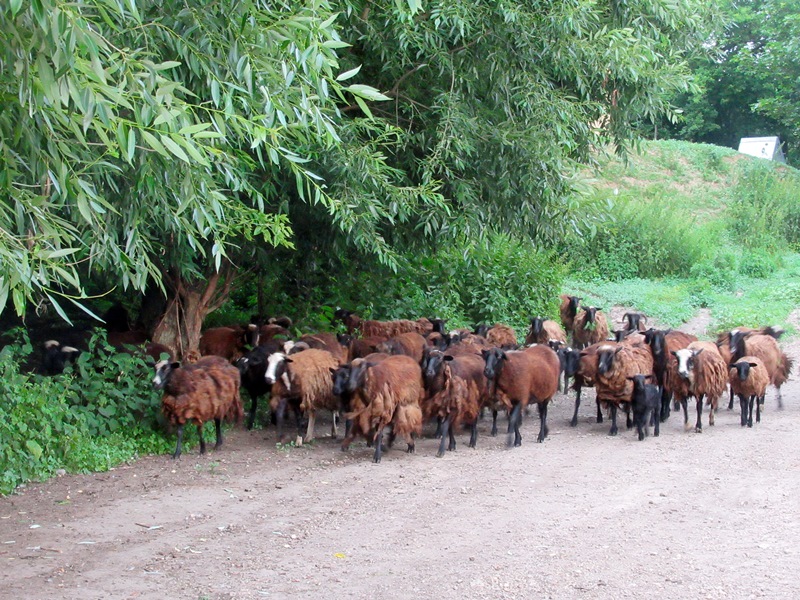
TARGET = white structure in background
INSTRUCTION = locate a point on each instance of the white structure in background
(763, 147)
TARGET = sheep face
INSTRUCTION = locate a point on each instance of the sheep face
(574, 301)
(250, 336)
(605, 358)
(570, 360)
(341, 377)
(743, 369)
(164, 370)
(438, 325)
(481, 329)
(433, 365)
(686, 362)
(276, 369)
(591, 312)
(735, 337)
(536, 326)
(495, 358)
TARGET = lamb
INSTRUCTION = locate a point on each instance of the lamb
(646, 403)
(407, 344)
(748, 379)
(208, 389)
(520, 377)
(615, 364)
(303, 378)
(726, 346)
(569, 310)
(228, 342)
(701, 372)
(501, 336)
(542, 331)
(765, 347)
(589, 327)
(456, 388)
(662, 343)
(390, 393)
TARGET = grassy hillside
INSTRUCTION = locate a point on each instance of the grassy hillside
(692, 226)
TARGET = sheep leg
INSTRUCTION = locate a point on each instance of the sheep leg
(641, 428)
(494, 423)
(599, 412)
(312, 421)
(410, 441)
(613, 430)
(743, 409)
(445, 432)
(628, 419)
(513, 425)
(750, 412)
(780, 398)
(759, 404)
(730, 401)
(656, 424)
(218, 427)
(574, 421)
(665, 411)
(439, 428)
(473, 435)
(378, 440)
(698, 427)
(334, 429)
(177, 452)
(280, 417)
(251, 418)
(202, 441)
(685, 405)
(543, 430)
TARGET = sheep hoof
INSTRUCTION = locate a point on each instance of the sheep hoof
(698, 430)
(439, 454)
(411, 449)
(612, 432)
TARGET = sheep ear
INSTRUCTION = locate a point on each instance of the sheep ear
(630, 378)
(447, 358)
(288, 360)
(617, 351)
(696, 352)
(175, 365)
(649, 377)
(753, 364)
(332, 370)
(733, 365)
(675, 354)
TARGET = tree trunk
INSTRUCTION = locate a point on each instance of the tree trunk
(190, 302)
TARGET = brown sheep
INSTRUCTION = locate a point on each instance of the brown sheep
(699, 371)
(725, 344)
(517, 378)
(456, 388)
(228, 342)
(616, 363)
(765, 347)
(327, 341)
(501, 336)
(303, 378)
(748, 379)
(208, 389)
(271, 331)
(389, 393)
(542, 331)
(361, 347)
(408, 344)
(589, 327)
(585, 373)
(569, 310)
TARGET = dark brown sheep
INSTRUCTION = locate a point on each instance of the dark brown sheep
(700, 372)
(228, 342)
(569, 310)
(616, 363)
(200, 392)
(518, 378)
(456, 389)
(765, 347)
(749, 379)
(390, 393)
(407, 344)
(542, 331)
(327, 341)
(590, 327)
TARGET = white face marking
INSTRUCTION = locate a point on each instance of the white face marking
(683, 355)
(273, 362)
(157, 380)
(287, 346)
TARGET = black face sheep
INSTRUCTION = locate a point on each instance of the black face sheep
(569, 310)
(727, 345)
(520, 377)
(698, 372)
(228, 342)
(646, 404)
(253, 367)
(615, 364)
(765, 347)
(208, 389)
(543, 331)
(634, 321)
(56, 357)
(590, 327)
(662, 344)
(305, 378)
(390, 393)
(748, 378)
(456, 389)
(584, 368)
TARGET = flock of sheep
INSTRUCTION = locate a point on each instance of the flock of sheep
(392, 376)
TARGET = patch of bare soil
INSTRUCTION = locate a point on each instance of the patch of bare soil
(584, 515)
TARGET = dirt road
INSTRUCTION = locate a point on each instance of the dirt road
(584, 515)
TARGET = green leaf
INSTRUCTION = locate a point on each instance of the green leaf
(366, 91)
(15, 5)
(173, 147)
(348, 74)
(34, 448)
(131, 144)
(153, 142)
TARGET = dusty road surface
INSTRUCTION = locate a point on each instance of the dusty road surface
(584, 515)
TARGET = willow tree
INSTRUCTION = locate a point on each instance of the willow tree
(144, 139)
